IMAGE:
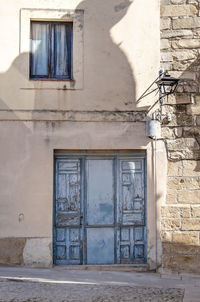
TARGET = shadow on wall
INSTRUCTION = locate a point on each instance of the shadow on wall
(192, 110)
(184, 137)
(108, 76)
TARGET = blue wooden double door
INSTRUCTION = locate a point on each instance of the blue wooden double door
(99, 210)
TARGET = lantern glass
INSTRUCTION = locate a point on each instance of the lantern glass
(167, 84)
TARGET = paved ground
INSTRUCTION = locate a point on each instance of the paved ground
(34, 285)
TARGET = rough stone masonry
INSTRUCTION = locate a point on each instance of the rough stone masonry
(180, 54)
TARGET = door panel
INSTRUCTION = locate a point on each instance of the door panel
(100, 211)
(131, 214)
(68, 248)
(68, 234)
(100, 246)
(100, 192)
(68, 193)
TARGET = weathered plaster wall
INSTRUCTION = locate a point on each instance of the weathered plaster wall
(98, 110)
(26, 181)
(180, 46)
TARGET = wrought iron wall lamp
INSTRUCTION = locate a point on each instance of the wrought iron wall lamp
(166, 85)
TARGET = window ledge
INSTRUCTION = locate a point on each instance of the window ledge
(51, 84)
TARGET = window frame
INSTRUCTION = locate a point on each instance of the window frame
(62, 14)
(51, 51)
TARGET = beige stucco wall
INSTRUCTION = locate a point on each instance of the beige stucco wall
(26, 180)
(118, 55)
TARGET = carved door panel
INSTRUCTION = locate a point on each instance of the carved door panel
(68, 213)
(131, 232)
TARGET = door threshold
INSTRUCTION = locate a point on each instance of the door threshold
(106, 267)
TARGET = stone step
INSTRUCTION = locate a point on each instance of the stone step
(114, 267)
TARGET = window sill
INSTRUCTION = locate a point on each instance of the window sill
(51, 79)
(53, 84)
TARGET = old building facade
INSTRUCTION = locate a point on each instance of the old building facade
(81, 183)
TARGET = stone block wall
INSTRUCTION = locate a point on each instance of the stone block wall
(180, 54)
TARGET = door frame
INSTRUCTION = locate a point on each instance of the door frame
(98, 154)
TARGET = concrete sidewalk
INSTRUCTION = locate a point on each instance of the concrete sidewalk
(31, 284)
